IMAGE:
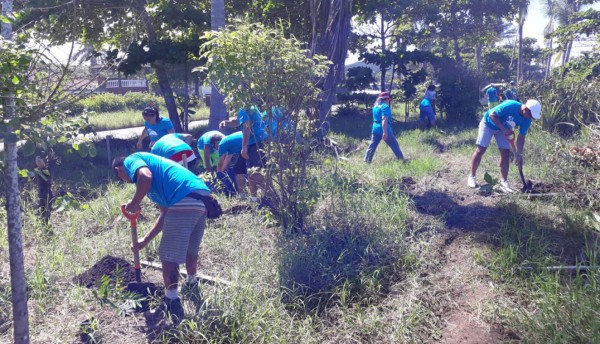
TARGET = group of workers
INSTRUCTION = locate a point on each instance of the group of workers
(505, 113)
(168, 176)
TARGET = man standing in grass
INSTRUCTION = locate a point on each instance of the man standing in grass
(182, 219)
(254, 137)
(499, 122)
(382, 128)
(492, 94)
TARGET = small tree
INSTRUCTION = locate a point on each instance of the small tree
(249, 63)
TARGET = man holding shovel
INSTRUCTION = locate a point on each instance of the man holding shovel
(182, 219)
(499, 122)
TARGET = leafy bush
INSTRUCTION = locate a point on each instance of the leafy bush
(347, 110)
(459, 92)
(108, 102)
(365, 99)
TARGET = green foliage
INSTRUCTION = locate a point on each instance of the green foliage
(109, 102)
(359, 78)
(459, 92)
(365, 99)
(251, 62)
(347, 110)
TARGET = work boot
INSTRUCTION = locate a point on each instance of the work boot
(471, 182)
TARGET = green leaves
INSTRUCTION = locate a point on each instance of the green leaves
(28, 148)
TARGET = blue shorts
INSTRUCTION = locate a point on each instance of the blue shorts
(427, 113)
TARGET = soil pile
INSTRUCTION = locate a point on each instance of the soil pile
(110, 266)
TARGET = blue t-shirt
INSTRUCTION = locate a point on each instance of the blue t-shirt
(257, 131)
(277, 118)
(380, 111)
(158, 130)
(169, 145)
(231, 144)
(509, 114)
(204, 140)
(492, 94)
(425, 103)
(171, 182)
(510, 94)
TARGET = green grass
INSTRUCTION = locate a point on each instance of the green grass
(133, 118)
(359, 270)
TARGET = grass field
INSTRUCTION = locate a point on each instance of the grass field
(132, 118)
(392, 252)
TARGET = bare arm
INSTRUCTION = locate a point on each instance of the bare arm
(232, 123)
(142, 137)
(207, 162)
(384, 124)
(245, 140)
(143, 184)
(223, 162)
(157, 228)
(494, 117)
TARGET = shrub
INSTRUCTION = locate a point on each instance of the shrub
(108, 102)
(347, 110)
(459, 92)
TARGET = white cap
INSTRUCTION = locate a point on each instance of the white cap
(535, 107)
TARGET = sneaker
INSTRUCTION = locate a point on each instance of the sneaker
(505, 186)
(471, 182)
(168, 307)
(254, 199)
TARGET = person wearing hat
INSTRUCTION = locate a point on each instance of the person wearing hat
(382, 128)
(499, 122)
(154, 126)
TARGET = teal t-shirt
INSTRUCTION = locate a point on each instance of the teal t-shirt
(509, 114)
(425, 103)
(171, 182)
(204, 140)
(277, 118)
(379, 112)
(492, 94)
(258, 131)
(158, 130)
(231, 144)
(169, 145)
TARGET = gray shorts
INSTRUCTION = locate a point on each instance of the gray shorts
(485, 137)
(182, 231)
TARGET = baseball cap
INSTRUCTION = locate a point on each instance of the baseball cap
(535, 107)
(512, 82)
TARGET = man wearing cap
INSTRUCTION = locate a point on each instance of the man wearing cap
(382, 128)
(499, 122)
(182, 219)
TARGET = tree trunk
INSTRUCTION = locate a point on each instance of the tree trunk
(568, 47)
(18, 283)
(478, 51)
(334, 44)
(548, 60)
(520, 54)
(383, 69)
(159, 67)
(218, 111)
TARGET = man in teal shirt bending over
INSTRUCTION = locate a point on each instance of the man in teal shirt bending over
(182, 217)
(499, 122)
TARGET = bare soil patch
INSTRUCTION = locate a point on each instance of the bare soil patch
(111, 266)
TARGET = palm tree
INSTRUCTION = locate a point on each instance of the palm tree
(521, 21)
(549, 6)
(218, 112)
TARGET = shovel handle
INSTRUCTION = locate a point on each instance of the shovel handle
(134, 237)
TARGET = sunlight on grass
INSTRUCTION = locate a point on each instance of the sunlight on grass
(133, 118)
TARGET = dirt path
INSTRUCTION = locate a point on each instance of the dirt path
(469, 218)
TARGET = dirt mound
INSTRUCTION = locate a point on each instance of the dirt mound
(110, 266)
